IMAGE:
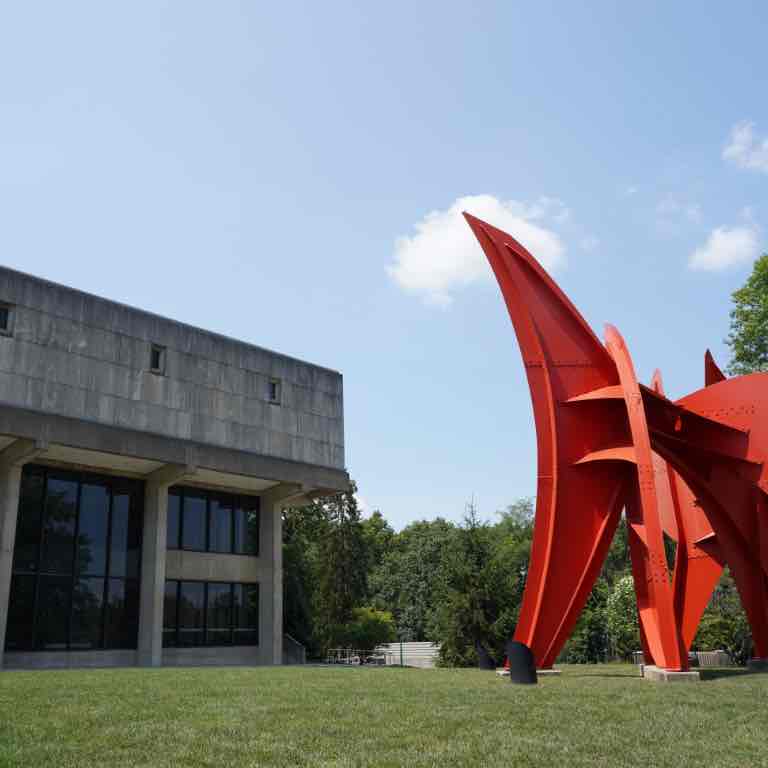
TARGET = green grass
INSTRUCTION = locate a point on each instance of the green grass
(590, 716)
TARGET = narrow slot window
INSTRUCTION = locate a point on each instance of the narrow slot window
(157, 359)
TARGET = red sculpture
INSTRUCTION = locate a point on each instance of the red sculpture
(693, 469)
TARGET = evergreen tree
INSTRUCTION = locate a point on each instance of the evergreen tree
(343, 563)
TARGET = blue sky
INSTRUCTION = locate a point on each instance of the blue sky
(288, 173)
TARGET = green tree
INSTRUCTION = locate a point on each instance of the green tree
(410, 580)
(368, 629)
(485, 571)
(748, 337)
(343, 563)
(621, 619)
(588, 643)
(724, 624)
(303, 529)
(379, 538)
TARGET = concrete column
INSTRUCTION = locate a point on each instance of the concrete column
(154, 547)
(272, 504)
(12, 459)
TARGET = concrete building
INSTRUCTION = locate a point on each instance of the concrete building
(143, 468)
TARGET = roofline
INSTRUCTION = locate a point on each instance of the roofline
(157, 316)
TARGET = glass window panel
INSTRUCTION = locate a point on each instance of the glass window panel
(247, 527)
(169, 613)
(195, 522)
(174, 519)
(59, 526)
(246, 614)
(92, 530)
(125, 545)
(87, 604)
(53, 608)
(220, 537)
(28, 526)
(191, 613)
(121, 620)
(219, 616)
(21, 606)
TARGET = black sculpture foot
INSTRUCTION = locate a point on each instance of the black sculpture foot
(522, 667)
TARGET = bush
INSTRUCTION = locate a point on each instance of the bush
(368, 629)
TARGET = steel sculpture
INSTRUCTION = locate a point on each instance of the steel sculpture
(693, 469)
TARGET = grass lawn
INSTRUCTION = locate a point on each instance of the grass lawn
(293, 716)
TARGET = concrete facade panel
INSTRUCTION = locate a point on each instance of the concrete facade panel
(83, 357)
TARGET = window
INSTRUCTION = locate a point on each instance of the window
(194, 526)
(75, 583)
(208, 521)
(220, 525)
(210, 613)
(6, 319)
(247, 522)
(246, 614)
(191, 613)
(274, 391)
(157, 359)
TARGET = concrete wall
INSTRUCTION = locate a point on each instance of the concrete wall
(79, 356)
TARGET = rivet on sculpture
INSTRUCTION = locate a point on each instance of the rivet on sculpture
(694, 469)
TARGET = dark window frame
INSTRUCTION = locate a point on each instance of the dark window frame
(6, 329)
(243, 502)
(275, 391)
(157, 351)
(39, 574)
(175, 629)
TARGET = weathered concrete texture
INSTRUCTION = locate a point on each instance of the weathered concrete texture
(757, 665)
(84, 357)
(12, 459)
(218, 657)
(658, 675)
(124, 442)
(153, 554)
(70, 659)
(214, 566)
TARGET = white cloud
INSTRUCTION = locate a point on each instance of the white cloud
(589, 243)
(443, 255)
(746, 150)
(726, 248)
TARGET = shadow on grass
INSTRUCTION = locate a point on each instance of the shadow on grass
(715, 673)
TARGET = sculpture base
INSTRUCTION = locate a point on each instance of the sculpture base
(757, 665)
(660, 675)
(501, 672)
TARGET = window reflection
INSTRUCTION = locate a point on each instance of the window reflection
(92, 530)
(83, 592)
(195, 522)
(212, 521)
(59, 526)
(213, 613)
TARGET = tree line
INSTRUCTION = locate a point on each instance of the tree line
(354, 582)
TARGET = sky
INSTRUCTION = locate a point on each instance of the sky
(292, 174)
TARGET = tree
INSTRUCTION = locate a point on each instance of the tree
(303, 529)
(368, 629)
(379, 537)
(410, 580)
(343, 564)
(588, 643)
(486, 569)
(621, 618)
(724, 624)
(748, 338)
